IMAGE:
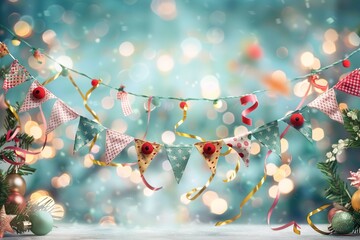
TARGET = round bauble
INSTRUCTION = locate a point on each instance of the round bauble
(16, 183)
(41, 223)
(332, 213)
(15, 203)
(355, 201)
(343, 223)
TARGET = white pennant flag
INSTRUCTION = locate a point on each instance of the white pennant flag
(115, 143)
(60, 114)
(328, 104)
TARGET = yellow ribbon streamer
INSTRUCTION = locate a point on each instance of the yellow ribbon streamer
(182, 134)
(199, 190)
(233, 173)
(244, 201)
(316, 211)
(85, 99)
(49, 80)
(13, 111)
(104, 164)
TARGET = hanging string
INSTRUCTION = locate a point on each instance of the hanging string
(314, 71)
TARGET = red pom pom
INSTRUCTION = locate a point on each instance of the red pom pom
(147, 148)
(94, 82)
(346, 63)
(297, 120)
(39, 93)
(183, 104)
(209, 148)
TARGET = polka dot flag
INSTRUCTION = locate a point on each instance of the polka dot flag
(178, 156)
(268, 135)
(144, 160)
(242, 145)
(212, 159)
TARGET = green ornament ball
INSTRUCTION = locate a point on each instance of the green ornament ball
(343, 223)
(41, 223)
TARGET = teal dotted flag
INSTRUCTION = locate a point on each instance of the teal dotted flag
(178, 156)
(87, 130)
(268, 135)
(306, 128)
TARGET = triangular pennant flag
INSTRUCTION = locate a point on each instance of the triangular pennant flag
(178, 156)
(350, 84)
(115, 143)
(146, 151)
(328, 104)
(17, 75)
(87, 131)
(210, 152)
(60, 114)
(268, 135)
(242, 145)
(300, 120)
(3, 50)
(33, 102)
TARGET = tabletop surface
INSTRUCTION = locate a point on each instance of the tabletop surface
(193, 232)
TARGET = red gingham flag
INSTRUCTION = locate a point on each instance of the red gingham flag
(60, 114)
(17, 75)
(115, 143)
(125, 104)
(31, 102)
(328, 104)
(350, 84)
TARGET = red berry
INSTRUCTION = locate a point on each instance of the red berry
(346, 63)
(147, 148)
(183, 105)
(297, 120)
(39, 93)
(94, 82)
(209, 148)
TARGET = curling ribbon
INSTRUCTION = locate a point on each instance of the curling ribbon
(85, 99)
(312, 79)
(112, 164)
(322, 208)
(182, 134)
(296, 227)
(13, 111)
(234, 172)
(49, 80)
(198, 191)
(244, 201)
(125, 103)
(245, 100)
(148, 185)
(148, 116)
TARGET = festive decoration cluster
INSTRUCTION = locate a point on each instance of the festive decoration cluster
(268, 134)
(16, 214)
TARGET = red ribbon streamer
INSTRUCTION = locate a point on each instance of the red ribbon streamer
(148, 185)
(245, 100)
(312, 80)
(296, 226)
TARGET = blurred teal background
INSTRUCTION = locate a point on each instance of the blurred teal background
(182, 49)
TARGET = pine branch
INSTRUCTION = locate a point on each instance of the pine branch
(4, 189)
(338, 190)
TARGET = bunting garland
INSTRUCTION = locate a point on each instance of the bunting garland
(178, 155)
